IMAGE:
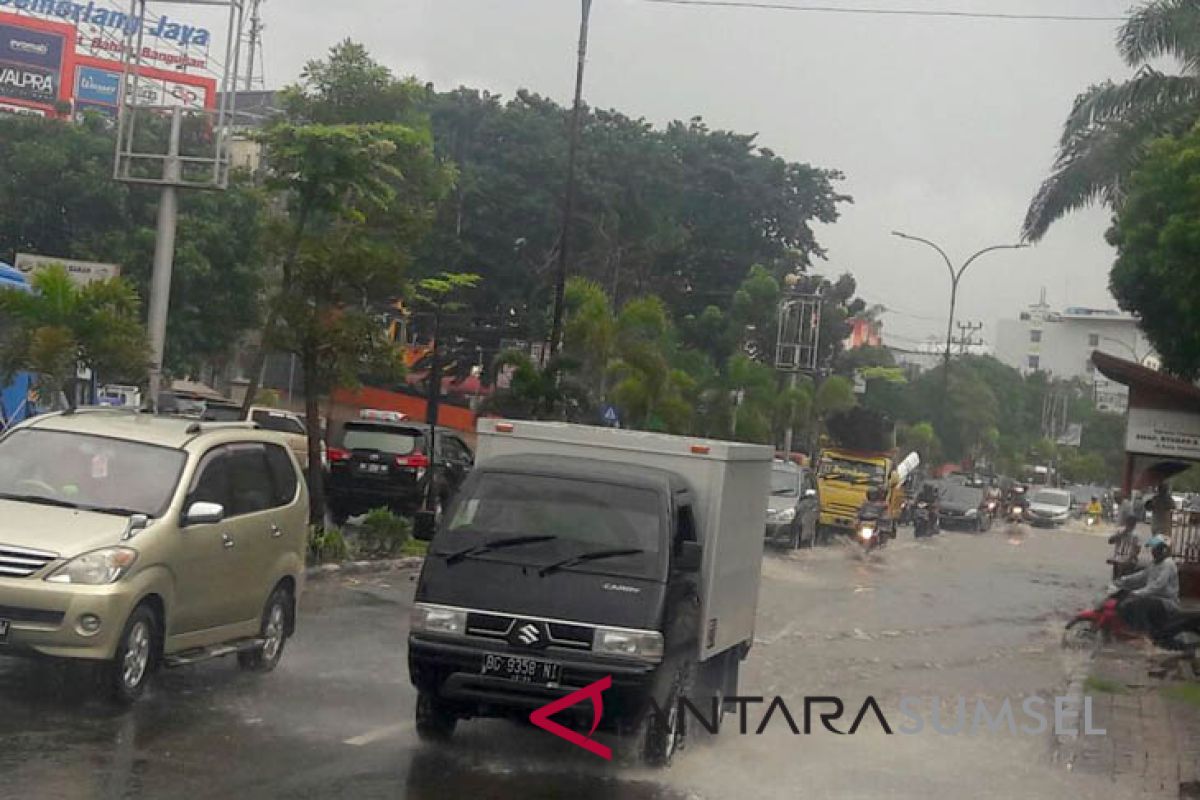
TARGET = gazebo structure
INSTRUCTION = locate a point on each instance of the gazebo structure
(1162, 439)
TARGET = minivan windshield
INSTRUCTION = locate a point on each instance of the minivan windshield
(581, 515)
(96, 473)
(785, 483)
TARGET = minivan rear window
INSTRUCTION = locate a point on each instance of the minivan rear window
(397, 441)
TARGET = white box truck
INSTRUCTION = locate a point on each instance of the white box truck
(575, 554)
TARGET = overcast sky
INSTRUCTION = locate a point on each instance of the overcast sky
(943, 128)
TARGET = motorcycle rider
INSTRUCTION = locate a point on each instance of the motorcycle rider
(928, 496)
(876, 508)
(1127, 548)
(1094, 511)
(1153, 592)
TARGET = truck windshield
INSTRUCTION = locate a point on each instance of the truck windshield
(580, 515)
(844, 469)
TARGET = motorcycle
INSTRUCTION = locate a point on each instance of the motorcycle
(869, 534)
(1102, 623)
(925, 520)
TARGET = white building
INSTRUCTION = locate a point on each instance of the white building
(1061, 344)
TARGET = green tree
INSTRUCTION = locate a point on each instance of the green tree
(359, 197)
(550, 392)
(1157, 236)
(834, 395)
(60, 326)
(1111, 124)
(350, 87)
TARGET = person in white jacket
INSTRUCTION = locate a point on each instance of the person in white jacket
(1154, 591)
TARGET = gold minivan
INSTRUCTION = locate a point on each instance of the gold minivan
(138, 541)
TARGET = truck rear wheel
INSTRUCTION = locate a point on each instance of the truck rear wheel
(435, 722)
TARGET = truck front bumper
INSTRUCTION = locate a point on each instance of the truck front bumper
(451, 670)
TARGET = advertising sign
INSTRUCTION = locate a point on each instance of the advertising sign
(97, 87)
(9, 108)
(1153, 432)
(19, 45)
(82, 272)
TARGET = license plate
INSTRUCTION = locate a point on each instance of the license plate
(521, 669)
(373, 469)
(4, 624)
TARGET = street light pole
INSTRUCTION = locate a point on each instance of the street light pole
(955, 277)
(1132, 350)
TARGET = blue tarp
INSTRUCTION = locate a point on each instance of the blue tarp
(13, 407)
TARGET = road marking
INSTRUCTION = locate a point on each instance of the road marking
(386, 732)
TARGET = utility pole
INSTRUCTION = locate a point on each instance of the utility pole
(966, 336)
(564, 244)
(256, 28)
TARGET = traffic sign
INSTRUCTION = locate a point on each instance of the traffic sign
(610, 417)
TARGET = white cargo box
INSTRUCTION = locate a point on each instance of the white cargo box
(729, 481)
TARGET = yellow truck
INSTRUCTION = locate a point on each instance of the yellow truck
(844, 477)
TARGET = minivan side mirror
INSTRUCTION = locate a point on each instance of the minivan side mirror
(202, 513)
(690, 557)
(424, 526)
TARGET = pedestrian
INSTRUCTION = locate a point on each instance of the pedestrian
(1153, 592)
(1162, 508)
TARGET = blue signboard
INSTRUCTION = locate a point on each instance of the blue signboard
(31, 48)
(610, 416)
(94, 86)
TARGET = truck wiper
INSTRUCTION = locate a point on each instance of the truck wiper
(590, 556)
(494, 544)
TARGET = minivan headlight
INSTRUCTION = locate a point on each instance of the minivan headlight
(437, 619)
(647, 645)
(782, 515)
(97, 568)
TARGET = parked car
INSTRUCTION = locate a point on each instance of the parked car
(792, 507)
(290, 425)
(138, 541)
(381, 462)
(964, 507)
(1050, 508)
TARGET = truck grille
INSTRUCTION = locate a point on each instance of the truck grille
(21, 562)
(498, 626)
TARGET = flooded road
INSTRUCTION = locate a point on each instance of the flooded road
(976, 616)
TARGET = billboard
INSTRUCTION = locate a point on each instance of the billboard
(34, 57)
(97, 82)
(82, 272)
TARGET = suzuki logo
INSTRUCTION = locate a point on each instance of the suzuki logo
(592, 692)
(528, 634)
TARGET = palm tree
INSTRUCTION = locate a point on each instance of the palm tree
(61, 326)
(549, 392)
(1111, 124)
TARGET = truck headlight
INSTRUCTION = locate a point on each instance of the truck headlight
(97, 568)
(437, 619)
(643, 644)
(782, 515)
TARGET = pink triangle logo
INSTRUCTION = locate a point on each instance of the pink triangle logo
(592, 692)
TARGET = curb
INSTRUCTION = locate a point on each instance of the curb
(1064, 745)
(363, 567)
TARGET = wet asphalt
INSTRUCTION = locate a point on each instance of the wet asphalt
(971, 615)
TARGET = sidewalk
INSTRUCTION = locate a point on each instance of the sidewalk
(1152, 742)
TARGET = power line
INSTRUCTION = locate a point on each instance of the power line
(892, 12)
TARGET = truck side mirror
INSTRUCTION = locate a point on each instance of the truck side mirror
(690, 557)
(810, 492)
(424, 526)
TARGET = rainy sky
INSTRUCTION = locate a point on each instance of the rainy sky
(943, 127)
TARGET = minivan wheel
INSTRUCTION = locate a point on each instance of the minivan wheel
(129, 671)
(273, 633)
(435, 722)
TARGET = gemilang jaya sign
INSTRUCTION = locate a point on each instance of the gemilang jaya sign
(164, 28)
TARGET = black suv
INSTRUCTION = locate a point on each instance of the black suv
(379, 463)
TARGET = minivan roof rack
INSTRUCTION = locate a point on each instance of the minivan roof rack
(197, 428)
